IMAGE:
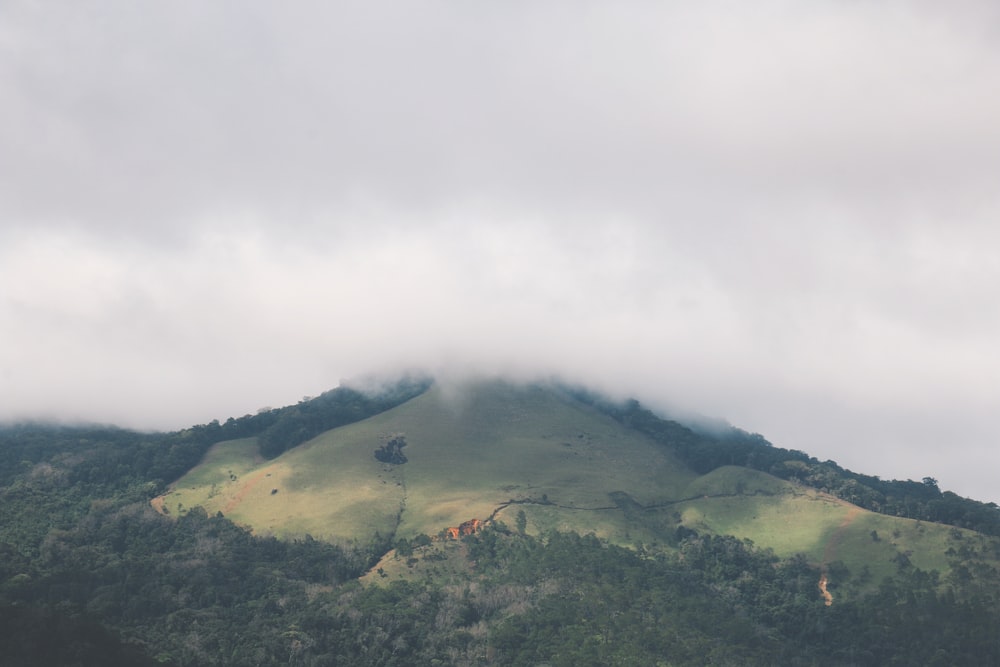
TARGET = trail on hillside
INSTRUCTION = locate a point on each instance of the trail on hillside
(546, 503)
(827, 597)
(252, 481)
(830, 550)
(645, 508)
(247, 484)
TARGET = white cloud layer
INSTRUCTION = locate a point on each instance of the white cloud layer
(779, 214)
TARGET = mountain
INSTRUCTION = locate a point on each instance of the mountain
(484, 522)
(471, 455)
(484, 451)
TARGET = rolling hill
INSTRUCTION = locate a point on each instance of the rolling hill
(488, 450)
(480, 523)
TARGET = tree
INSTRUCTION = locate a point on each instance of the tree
(521, 522)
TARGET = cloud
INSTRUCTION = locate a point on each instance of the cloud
(133, 118)
(779, 215)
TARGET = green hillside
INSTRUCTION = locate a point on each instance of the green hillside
(492, 450)
(794, 519)
(317, 534)
(468, 455)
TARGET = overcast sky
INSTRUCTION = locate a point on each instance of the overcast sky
(782, 214)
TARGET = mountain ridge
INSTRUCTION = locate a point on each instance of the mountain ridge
(490, 451)
(500, 525)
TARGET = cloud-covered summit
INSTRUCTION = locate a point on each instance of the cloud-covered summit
(783, 215)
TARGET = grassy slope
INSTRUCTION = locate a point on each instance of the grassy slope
(469, 453)
(794, 519)
(473, 451)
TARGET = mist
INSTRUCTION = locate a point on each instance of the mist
(782, 216)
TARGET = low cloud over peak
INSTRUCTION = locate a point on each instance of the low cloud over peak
(781, 216)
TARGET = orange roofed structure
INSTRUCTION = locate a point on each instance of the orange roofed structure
(466, 528)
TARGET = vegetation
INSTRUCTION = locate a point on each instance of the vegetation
(292, 426)
(392, 451)
(200, 591)
(91, 574)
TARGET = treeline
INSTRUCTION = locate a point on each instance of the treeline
(33, 637)
(703, 452)
(107, 460)
(280, 429)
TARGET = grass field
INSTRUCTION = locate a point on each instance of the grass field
(792, 519)
(498, 449)
(468, 454)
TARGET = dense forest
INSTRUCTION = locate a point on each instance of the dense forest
(91, 575)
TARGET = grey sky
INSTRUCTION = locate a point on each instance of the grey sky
(784, 214)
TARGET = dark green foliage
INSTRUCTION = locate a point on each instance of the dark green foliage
(721, 601)
(607, 605)
(521, 522)
(294, 425)
(190, 587)
(101, 459)
(392, 451)
(32, 637)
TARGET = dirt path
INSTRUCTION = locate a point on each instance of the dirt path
(253, 480)
(822, 589)
(830, 550)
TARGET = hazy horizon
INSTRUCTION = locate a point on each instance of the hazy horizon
(779, 215)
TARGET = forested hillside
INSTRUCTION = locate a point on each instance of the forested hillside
(90, 574)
